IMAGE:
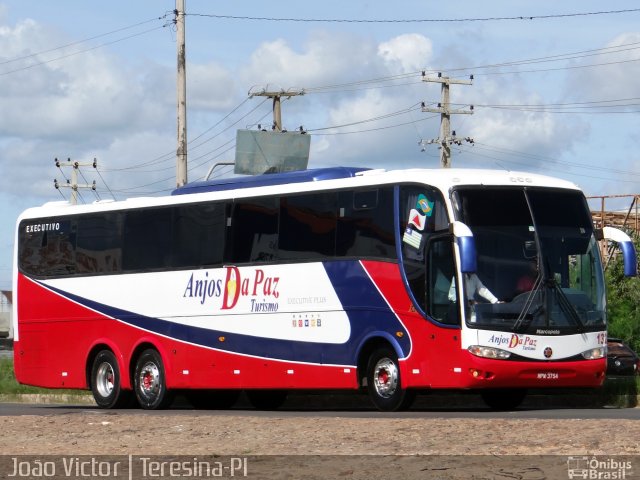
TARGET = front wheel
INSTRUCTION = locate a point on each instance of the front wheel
(150, 383)
(106, 381)
(383, 382)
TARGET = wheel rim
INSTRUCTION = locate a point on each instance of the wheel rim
(149, 380)
(105, 379)
(385, 377)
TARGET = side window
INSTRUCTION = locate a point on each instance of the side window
(148, 239)
(365, 223)
(199, 235)
(307, 226)
(423, 219)
(47, 247)
(253, 236)
(440, 267)
(99, 243)
(422, 212)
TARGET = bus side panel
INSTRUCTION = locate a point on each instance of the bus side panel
(435, 351)
(53, 349)
(199, 367)
(51, 338)
(55, 337)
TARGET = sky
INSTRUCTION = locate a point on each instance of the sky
(554, 90)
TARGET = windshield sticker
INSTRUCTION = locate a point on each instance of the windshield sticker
(412, 238)
(425, 205)
(416, 219)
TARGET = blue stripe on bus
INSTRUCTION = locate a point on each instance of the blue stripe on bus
(298, 176)
(369, 315)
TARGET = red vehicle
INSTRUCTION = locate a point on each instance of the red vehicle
(322, 279)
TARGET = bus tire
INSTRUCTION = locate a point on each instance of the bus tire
(212, 399)
(106, 381)
(150, 383)
(267, 399)
(503, 398)
(384, 383)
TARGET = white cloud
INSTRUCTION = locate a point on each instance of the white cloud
(86, 96)
(210, 87)
(615, 80)
(323, 59)
(406, 53)
(329, 59)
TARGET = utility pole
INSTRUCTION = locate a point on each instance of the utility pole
(181, 152)
(446, 139)
(277, 109)
(73, 184)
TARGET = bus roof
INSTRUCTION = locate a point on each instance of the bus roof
(265, 180)
(311, 180)
(442, 178)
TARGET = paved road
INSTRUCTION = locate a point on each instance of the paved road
(13, 409)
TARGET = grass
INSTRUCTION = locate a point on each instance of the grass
(10, 386)
(621, 391)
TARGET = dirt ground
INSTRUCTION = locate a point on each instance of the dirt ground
(104, 433)
(332, 446)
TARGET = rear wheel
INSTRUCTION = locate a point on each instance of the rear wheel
(267, 399)
(213, 399)
(383, 382)
(504, 398)
(150, 383)
(106, 381)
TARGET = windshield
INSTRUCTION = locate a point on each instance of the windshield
(539, 267)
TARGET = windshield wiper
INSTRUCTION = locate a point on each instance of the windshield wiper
(566, 306)
(527, 305)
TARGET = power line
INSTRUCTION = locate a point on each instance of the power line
(61, 47)
(220, 121)
(105, 184)
(505, 151)
(386, 127)
(536, 60)
(62, 57)
(170, 155)
(557, 57)
(414, 20)
(372, 119)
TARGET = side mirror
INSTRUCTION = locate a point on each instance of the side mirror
(626, 246)
(466, 246)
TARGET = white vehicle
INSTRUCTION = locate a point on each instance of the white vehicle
(321, 279)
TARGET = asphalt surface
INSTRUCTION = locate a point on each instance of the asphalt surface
(351, 411)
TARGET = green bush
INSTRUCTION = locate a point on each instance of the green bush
(623, 303)
(621, 391)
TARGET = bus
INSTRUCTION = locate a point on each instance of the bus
(331, 279)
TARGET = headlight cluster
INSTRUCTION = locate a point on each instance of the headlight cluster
(595, 353)
(489, 352)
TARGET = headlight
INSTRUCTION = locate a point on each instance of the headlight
(489, 352)
(595, 353)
